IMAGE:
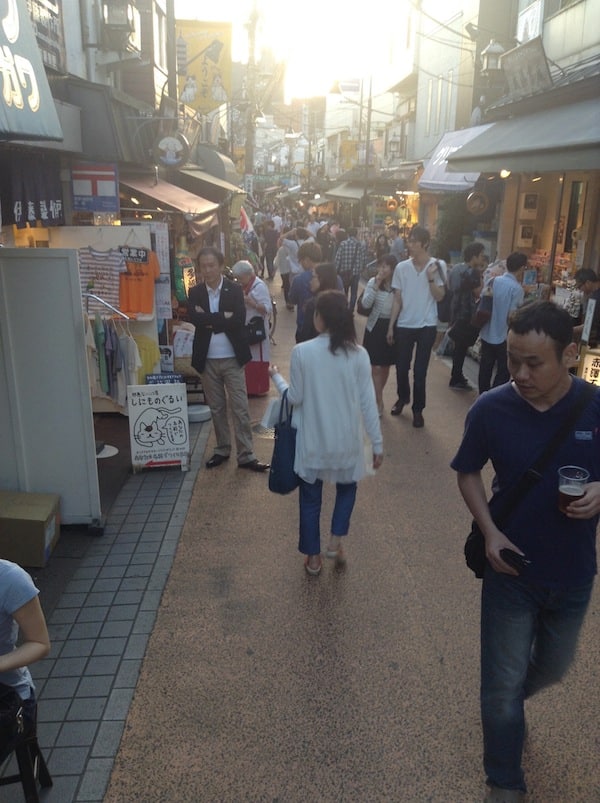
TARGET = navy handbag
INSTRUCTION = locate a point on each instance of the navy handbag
(282, 477)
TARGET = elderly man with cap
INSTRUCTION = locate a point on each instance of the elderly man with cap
(220, 351)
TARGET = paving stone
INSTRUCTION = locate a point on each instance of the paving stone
(136, 647)
(122, 613)
(83, 708)
(85, 630)
(103, 664)
(60, 687)
(68, 667)
(93, 613)
(67, 761)
(108, 738)
(112, 629)
(109, 646)
(95, 781)
(128, 673)
(54, 712)
(63, 616)
(95, 686)
(144, 622)
(77, 648)
(106, 584)
(99, 598)
(118, 704)
(77, 734)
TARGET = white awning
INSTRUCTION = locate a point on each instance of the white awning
(436, 176)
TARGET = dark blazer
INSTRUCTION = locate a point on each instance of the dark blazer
(231, 300)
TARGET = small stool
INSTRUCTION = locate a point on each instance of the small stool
(32, 769)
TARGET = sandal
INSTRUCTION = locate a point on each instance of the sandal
(309, 569)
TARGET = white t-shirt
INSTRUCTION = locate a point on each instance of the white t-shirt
(419, 307)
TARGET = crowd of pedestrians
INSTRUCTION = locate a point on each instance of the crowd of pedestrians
(526, 386)
(540, 559)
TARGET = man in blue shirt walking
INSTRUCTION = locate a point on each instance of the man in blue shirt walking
(508, 294)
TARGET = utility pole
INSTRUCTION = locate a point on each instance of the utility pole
(251, 113)
(365, 202)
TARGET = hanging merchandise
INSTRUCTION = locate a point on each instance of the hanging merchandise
(392, 204)
(136, 286)
(184, 273)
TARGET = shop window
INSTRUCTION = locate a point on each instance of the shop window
(552, 7)
(574, 215)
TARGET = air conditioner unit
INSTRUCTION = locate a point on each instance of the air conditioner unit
(120, 26)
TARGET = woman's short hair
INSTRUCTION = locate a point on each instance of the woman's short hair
(242, 268)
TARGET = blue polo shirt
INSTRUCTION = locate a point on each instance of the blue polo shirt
(505, 429)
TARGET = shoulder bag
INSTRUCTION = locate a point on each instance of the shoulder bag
(444, 307)
(256, 330)
(474, 548)
(483, 310)
(282, 477)
(12, 725)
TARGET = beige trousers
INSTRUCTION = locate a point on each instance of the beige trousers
(224, 381)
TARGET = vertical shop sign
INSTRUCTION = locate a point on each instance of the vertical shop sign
(158, 425)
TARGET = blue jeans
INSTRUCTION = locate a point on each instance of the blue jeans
(405, 340)
(528, 640)
(310, 496)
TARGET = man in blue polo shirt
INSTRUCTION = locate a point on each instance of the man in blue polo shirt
(508, 294)
(530, 620)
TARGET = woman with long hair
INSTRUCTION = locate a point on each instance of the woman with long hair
(324, 277)
(334, 403)
(378, 297)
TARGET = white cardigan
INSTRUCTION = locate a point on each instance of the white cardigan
(334, 403)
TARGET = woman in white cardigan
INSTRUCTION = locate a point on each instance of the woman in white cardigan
(334, 403)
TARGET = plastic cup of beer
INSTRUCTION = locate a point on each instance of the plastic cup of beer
(571, 485)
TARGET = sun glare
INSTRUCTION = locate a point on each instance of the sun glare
(317, 48)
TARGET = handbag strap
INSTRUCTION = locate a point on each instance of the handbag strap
(534, 473)
(284, 408)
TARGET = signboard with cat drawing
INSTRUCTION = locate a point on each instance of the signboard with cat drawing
(159, 433)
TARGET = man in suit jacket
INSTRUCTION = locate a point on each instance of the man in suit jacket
(220, 351)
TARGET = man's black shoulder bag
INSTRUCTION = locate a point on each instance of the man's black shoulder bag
(475, 544)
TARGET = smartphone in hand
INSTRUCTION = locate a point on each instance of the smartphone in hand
(514, 559)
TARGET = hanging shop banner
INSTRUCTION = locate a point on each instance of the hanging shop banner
(204, 64)
(32, 190)
(158, 425)
(27, 109)
(95, 187)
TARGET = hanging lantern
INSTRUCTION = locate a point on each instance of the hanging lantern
(392, 204)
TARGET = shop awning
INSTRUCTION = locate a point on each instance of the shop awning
(436, 177)
(27, 109)
(209, 181)
(562, 138)
(345, 192)
(169, 195)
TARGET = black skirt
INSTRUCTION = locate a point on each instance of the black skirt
(375, 342)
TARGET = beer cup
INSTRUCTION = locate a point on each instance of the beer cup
(571, 485)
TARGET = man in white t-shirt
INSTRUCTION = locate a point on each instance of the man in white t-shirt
(418, 284)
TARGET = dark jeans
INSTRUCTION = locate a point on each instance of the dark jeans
(269, 257)
(286, 283)
(405, 341)
(309, 497)
(492, 354)
(458, 359)
(528, 640)
(351, 282)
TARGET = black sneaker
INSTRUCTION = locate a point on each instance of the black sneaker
(418, 420)
(397, 408)
(460, 384)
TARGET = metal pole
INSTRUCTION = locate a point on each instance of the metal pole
(367, 148)
(250, 119)
(171, 51)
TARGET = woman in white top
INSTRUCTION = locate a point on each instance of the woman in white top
(20, 610)
(378, 297)
(333, 398)
(258, 302)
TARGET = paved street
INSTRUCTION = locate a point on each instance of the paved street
(246, 680)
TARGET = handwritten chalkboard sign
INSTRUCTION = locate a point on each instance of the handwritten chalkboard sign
(158, 426)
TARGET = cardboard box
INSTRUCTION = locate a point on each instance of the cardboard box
(29, 527)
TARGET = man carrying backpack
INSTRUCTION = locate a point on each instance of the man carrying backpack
(465, 280)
